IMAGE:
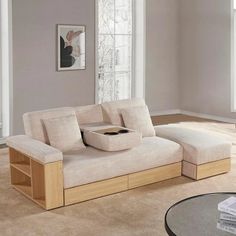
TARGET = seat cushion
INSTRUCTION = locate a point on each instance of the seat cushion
(199, 147)
(92, 165)
(112, 113)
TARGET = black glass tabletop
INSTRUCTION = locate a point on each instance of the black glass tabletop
(197, 216)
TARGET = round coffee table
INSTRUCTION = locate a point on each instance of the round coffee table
(196, 216)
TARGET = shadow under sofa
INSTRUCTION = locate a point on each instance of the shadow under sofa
(54, 179)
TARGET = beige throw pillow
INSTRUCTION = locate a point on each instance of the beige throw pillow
(138, 118)
(64, 133)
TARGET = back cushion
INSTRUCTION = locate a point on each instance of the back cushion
(112, 110)
(89, 114)
(33, 121)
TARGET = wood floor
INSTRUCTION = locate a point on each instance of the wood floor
(168, 119)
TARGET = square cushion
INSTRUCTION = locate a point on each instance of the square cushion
(64, 133)
(111, 110)
(138, 118)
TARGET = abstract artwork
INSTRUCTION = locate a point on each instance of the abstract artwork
(71, 47)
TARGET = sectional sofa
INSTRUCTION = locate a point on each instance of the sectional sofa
(53, 176)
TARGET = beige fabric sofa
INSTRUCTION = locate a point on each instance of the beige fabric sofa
(53, 179)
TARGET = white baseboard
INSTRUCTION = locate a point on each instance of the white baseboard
(166, 112)
(189, 113)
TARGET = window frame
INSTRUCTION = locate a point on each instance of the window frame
(233, 59)
(7, 64)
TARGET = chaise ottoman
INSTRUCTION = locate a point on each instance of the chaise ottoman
(205, 153)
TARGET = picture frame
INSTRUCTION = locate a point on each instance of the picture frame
(71, 47)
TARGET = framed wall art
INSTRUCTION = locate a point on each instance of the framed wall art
(70, 47)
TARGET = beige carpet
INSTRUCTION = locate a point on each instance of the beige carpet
(136, 212)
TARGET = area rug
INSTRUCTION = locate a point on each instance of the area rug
(138, 212)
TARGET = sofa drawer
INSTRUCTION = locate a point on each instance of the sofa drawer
(154, 175)
(95, 190)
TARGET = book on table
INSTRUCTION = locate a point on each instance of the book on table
(227, 226)
(227, 221)
(227, 216)
(228, 206)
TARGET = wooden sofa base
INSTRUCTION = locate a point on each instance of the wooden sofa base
(122, 183)
(202, 171)
(43, 184)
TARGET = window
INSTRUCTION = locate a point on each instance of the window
(120, 49)
(5, 70)
(114, 49)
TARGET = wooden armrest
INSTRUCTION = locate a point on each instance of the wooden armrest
(35, 149)
(42, 183)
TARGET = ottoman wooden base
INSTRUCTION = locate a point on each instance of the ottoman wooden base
(202, 171)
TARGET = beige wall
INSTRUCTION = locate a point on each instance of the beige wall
(162, 55)
(205, 65)
(187, 56)
(36, 83)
